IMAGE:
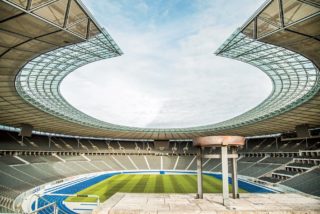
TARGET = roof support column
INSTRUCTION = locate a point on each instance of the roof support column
(255, 28)
(281, 13)
(28, 5)
(66, 15)
(49, 142)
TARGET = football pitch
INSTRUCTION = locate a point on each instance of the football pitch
(149, 183)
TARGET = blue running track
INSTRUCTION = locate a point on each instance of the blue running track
(72, 189)
(69, 188)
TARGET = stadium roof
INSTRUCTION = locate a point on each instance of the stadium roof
(43, 41)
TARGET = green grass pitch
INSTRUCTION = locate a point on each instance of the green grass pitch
(149, 183)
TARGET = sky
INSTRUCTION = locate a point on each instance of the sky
(168, 76)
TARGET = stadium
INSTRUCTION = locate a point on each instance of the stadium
(55, 158)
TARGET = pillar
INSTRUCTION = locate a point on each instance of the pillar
(36, 206)
(307, 146)
(55, 209)
(199, 174)
(225, 183)
(235, 189)
(246, 145)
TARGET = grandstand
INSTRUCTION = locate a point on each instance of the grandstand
(26, 166)
(50, 151)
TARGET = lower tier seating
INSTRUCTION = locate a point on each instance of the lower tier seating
(17, 176)
(307, 182)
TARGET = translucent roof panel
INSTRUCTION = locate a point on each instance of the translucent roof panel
(39, 49)
(294, 78)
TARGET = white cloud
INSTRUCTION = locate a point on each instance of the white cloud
(168, 76)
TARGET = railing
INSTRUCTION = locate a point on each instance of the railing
(75, 153)
(54, 205)
(309, 152)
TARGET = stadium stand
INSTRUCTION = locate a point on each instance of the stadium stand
(27, 163)
(37, 160)
(306, 182)
(258, 169)
(43, 41)
(169, 162)
(21, 170)
(276, 160)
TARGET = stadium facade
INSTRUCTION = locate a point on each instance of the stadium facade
(42, 41)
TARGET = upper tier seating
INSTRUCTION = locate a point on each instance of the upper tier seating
(271, 145)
